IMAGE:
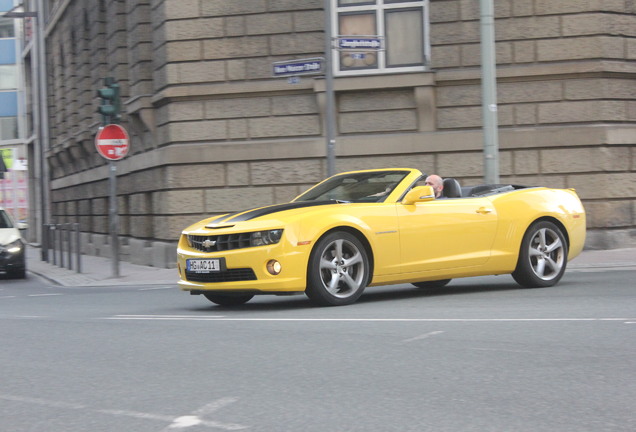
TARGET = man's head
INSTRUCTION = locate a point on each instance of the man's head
(437, 183)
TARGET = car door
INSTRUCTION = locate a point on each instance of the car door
(446, 233)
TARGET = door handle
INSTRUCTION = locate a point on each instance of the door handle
(484, 210)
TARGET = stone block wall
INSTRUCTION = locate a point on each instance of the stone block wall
(212, 132)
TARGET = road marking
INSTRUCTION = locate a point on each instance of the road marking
(166, 317)
(599, 269)
(215, 406)
(4, 297)
(424, 336)
(185, 422)
(180, 422)
(503, 350)
(43, 402)
(156, 288)
(45, 295)
(246, 319)
(195, 419)
(136, 414)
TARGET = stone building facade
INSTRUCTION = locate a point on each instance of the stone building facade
(212, 131)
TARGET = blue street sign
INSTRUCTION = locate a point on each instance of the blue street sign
(298, 67)
(360, 43)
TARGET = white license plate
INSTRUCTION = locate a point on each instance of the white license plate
(204, 265)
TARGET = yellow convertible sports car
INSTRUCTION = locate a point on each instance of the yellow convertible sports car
(381, 227)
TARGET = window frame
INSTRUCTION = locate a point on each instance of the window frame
(379, 8)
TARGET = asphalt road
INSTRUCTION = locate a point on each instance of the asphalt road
(479, 355)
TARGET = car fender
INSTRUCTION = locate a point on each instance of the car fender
(378, 230)
(520, 209)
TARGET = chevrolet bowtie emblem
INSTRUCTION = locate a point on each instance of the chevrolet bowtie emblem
(209, 243)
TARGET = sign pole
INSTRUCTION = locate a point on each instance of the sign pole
(113, 217)
(112, 143)
(330, 109)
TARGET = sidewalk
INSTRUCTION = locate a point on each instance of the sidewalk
(98, 271)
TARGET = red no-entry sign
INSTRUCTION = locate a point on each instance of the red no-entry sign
(112, 142)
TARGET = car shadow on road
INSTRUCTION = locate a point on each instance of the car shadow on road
(404, 292)
(386, 294)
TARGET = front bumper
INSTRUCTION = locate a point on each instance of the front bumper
(10, 262)
(246, 270)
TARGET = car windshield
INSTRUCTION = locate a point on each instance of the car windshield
(5, 222)
(356, 187)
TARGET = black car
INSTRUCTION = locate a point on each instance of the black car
(12, 247)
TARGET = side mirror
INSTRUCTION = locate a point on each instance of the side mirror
(21, 226)
(419, 194)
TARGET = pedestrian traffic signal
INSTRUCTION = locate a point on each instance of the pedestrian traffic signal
(110, 105)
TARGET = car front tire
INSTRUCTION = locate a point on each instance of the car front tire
(543, 256)
(338, 270)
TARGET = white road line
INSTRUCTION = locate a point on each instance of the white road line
(45, 295)
(42, 402)
(503, 350)
(180, 422)
(184, 422)
(165, 317)
(5, 297)
(136, 414)
(225, 318)
(423, 336)
(215, 406)
(195, 418)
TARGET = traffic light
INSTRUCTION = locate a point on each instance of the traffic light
(110, 107)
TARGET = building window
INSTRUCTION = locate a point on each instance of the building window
(401, 26)
(8, 103)
(7, 28)
(8, 77)
(7, 51)
(8, 128)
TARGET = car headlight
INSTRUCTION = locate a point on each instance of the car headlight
(14, 247)
(262, 238)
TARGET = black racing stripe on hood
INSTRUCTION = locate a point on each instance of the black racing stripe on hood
(253, 214)
(223, 217)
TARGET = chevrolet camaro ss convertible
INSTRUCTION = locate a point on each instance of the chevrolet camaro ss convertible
(381, 227)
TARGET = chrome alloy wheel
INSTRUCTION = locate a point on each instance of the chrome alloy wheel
(342, 268)
(547, 254)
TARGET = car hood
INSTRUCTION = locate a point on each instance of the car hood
(8, 235)
(247, 215)
(259, 218)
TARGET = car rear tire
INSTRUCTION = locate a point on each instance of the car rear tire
(338, 270)
(432, 284)
(229, 299)
(543, 256)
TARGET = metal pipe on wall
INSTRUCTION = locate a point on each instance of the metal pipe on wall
(489, 92)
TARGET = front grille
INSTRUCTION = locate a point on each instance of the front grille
(217, 243)
(229, 275)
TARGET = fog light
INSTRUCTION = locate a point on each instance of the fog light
(274, 267)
